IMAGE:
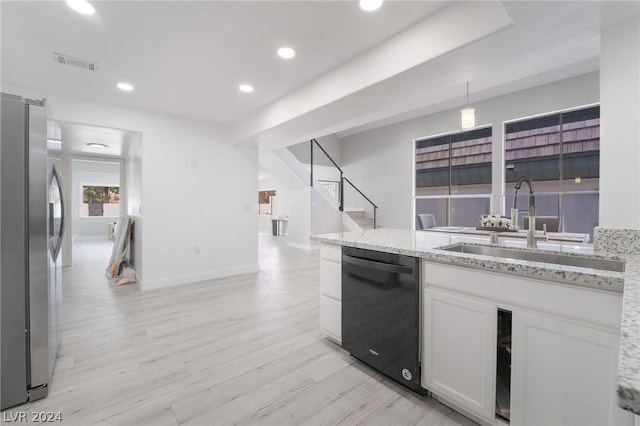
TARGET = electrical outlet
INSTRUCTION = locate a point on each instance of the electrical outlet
(196, 249)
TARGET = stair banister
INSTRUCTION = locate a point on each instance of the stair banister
(313, 142)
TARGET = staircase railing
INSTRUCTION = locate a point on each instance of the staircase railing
(375, 207)
(341, 182)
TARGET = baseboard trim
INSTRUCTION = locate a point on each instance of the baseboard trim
(194, 278)
(89, 237)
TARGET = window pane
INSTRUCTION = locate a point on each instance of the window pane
(467, 211)
(532, 148)
(458, 163)
(432, 166)
(546, 205)
(471, 162)
(581, 150)
(433, 206)
(580, 213)
(101, 201)
(265, 201)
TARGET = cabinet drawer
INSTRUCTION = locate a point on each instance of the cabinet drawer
(331, 318)
(331, 252)
(331, 279)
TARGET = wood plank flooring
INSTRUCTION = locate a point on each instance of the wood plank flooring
(240, 350)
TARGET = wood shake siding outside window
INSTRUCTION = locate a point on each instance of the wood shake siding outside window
(454, 161)
(577, 137)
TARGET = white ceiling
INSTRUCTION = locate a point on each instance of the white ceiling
(187, 58)
(76, 136)
(547, 41)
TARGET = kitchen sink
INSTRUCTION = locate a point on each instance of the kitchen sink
(581, 261)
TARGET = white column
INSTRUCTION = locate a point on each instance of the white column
(620, 126)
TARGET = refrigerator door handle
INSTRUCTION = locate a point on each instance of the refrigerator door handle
(56, 236)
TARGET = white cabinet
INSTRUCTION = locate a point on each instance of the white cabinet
(563, 373)
(458, 360)
(331, 291)
(565, 342)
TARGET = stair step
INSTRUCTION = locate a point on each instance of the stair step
(355, 213)
(364, 222)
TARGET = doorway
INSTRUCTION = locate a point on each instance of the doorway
(102, 180)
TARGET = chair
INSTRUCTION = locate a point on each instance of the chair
(552, 222)
(425, 221)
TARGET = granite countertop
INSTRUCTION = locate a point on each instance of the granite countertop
(426, 245)
(626, 241)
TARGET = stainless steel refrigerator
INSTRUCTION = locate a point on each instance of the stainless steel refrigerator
(31, 227)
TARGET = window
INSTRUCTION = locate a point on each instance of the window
(265, 201)
(100, 201)
(561, 153)
(453, 177)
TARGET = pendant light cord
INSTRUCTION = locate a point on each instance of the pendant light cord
(467, 93)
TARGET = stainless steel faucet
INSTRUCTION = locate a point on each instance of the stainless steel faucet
(531, 232)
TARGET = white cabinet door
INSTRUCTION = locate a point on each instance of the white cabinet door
(563, 373)
(458, 351)
(331, 291)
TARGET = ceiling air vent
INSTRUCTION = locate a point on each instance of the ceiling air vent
(76, 62)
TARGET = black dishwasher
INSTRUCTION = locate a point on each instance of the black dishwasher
(381, 313)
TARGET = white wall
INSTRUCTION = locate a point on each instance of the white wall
(91, 172)
(330, 143)
(620, 126)
(323, 168)
(299, 226)
(325, 218)
(198, 191)
(380, 161)
(309, 213)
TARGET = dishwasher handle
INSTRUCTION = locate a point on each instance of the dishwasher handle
(378, 266)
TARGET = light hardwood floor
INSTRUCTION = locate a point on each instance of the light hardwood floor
(239, 350)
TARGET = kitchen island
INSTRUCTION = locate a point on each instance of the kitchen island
(572, 357)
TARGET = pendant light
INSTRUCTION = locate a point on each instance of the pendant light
(468, 115)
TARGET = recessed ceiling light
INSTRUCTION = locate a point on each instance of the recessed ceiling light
(125, 86)
(370, 5)
(81, 6)
(286, 52)
(58, 141)
(97, 145)
(246, 88)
